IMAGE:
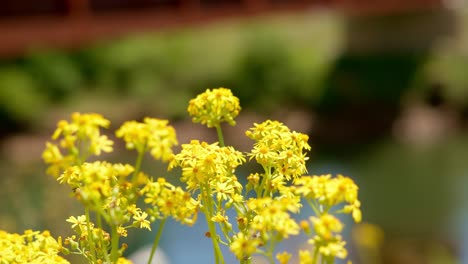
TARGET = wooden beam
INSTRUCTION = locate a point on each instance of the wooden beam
(82, 26)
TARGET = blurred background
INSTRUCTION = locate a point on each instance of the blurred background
(381, 87)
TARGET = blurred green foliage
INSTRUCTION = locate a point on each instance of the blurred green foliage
(289, 60)
(259, 60)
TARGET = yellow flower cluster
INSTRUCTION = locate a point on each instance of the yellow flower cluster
(272, 217)
(325, 194)
(80, 244)
(330, 192)
(244, 246)
(327, 240)
(280, 149)
(168, 200)
(209, 164)
(102, 187)
(99, 185)
(139, 219)
(154, 135)
(79, 138)
(112, 191)
(31, 247)
(213, 107)
(283, 257)
(267, 221)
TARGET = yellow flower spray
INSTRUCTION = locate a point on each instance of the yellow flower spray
(112, 193)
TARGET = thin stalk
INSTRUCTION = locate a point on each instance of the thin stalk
(207, 199)
(316, 255)
(92, 248)
(246, 260)
(271, 249)
(101, 238)
(264, 187)
(220, 135)
(313, 206)
(114, 244)
(156, 240)
(137, 166)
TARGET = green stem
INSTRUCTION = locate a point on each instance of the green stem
(90, 239)
(156, 240)
(246, 260)
(114, 244)
(313, 206)
(220, 135)
(207, 199)
(316, 255)
(271, 249)
(137, 166)
(101, 238)
(264, 187)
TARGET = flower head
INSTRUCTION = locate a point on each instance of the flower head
(330, 192)
(204, 163)
(272, 216)
(213, 107)
(283, 257)
(79, 139)
(154, 135)
(243, 246)
(280, 151)
(140, 220)
(168, 200)
(30, 247)
(328, 240)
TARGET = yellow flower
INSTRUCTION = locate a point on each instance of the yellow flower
(213, 107)
(101, 144)
(305, 226)
(57, 162)
(168, 200)
(204, 163)
(326, 225)
(283, 257)
(327, 240)
(334, 249)
(140, 220)
(219, 218)
(243, 246)
(154, 135)
(31, 247)
(79, 138)
(280, 149)
(272, 216)
(122, 231)
(52, 154)
(305, 257)
(123, 260)
(77, 221)
(330, 192)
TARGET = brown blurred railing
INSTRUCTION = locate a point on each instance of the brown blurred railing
(26, 24)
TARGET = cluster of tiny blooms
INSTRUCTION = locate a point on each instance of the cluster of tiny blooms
(79, 139)
(154, 135)
(205, 164)
(118, 196)
(271, 223)
(328, 195)
(330, 191)
(213, 107)
(107, 188)
(33, 247)
(170, 201)
(280, 151)
(99, 185)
